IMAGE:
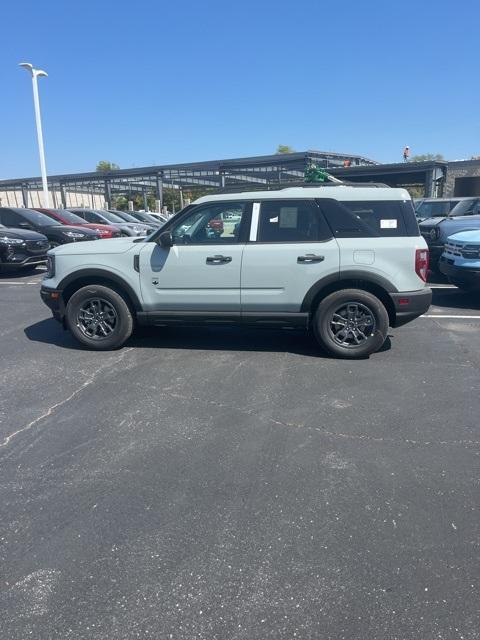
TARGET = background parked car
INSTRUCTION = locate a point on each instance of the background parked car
(435, 207)
(460, 261)
(63, 216)
(147, 218)
(56, 233)
(101, 216)
(128, 217)
(436, 230)
(20, 248)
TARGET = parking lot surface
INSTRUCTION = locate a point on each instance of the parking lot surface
(237, 484)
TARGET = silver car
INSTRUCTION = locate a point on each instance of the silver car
(100, 216)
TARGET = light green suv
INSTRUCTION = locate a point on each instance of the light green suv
(344, 262)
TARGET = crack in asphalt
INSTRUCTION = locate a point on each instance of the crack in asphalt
(61, 403)
(334, 434)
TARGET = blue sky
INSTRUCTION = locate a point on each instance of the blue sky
(157, 82)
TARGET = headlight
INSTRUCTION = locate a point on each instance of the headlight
(140, 231)
(73, 234)
(102, 232)
(435, 233)
(50, 266)
(15, 241)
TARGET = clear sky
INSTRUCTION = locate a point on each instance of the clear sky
(156, 82)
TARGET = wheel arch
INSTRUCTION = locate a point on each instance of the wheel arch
(377, 285)
(84, 277)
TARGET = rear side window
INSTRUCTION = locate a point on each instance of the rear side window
(371, 219)
(291, 221)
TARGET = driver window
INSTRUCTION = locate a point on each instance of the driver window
(211, 224)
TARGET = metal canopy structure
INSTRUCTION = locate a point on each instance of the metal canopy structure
(431, 175)
(255, 172)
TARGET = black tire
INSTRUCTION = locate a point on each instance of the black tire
(94, 330)
(344, 316)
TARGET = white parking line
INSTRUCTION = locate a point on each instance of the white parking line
(434, 315)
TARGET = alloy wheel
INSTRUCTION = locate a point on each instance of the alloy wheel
(352, 324)
(97, 319)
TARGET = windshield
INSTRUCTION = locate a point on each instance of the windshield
(111, 217)
(125, 216)
(434, 209)
(68, 216)
(463, 207)
(37, 218)
(148, 218)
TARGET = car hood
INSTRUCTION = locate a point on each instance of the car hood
(466, 236)
(23, 234)
(70, 227)
(109, 245)
(431, 222)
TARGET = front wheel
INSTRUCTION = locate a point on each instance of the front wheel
(351, 323)
(99, 317)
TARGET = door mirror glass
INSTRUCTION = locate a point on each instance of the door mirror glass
(165, 239)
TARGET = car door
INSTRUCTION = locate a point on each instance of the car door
(291, 248)
(201, 271)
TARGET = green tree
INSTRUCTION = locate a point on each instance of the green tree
(284, 148)
(106, 165)
(427, 156)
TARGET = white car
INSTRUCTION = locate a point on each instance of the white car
(345, 262)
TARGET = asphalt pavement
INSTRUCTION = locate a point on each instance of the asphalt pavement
(228, 484)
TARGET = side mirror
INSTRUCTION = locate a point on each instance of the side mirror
(24, 225)
(165, 239)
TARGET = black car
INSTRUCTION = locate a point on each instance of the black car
(35, 221)
(20, 248)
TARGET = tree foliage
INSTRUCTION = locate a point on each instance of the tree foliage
(427, 156)
(106, 165)
(284, 148)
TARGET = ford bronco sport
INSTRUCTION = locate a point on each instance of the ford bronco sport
(345, 262)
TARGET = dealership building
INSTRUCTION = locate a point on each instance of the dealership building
(98, 189)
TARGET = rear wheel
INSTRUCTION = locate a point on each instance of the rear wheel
(99, 317)
(351, 323)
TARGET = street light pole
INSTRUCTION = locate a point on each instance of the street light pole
(36, 73)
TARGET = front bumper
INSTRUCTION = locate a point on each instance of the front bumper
(410, 304)
(54, 301)
(459, 274)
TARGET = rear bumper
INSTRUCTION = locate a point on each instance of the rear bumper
(410, 304)
(460, 274)
(54, 301)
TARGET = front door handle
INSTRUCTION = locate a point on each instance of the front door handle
(218, 259)
(310, 257)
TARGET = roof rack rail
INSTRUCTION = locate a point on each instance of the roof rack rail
(310, 185)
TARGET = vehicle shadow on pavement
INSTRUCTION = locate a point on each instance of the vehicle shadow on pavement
(455, 299)
(17, 274)
(50, 331)
(214, 338)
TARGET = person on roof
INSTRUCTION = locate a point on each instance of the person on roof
(406, 153)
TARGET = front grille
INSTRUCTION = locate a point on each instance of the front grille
(37, 246)
(467, 251)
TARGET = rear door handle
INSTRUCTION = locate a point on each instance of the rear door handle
(218, 259)
(310, 257)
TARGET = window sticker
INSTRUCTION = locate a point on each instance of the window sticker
(288, 217)
(388, 224)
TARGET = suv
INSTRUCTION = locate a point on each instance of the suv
(465, 215)
(460, 261)
(435, 207)
(20, 248)
(346, 262)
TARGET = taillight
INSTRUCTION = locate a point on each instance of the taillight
(421, 263)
